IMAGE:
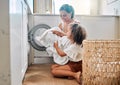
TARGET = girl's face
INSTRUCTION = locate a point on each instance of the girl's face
(66, 17)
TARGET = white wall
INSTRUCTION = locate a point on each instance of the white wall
(98, 27)
(112, 8)
(4, 43)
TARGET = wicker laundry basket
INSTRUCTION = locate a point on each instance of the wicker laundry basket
(101, 62)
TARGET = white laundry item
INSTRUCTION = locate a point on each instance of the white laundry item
(63, 43)
(57, 58)
(47, 39)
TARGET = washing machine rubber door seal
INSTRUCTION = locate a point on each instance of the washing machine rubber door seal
(31, 36)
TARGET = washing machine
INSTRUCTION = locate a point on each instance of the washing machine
(39, 52)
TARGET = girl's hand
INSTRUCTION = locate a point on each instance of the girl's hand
(56, 44)
(59, 51)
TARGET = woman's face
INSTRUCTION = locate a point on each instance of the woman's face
(66, 17)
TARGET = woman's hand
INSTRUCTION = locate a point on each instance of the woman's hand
(58, 33)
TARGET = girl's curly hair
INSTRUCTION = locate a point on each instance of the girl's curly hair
(78, 33)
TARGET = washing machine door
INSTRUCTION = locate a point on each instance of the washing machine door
(37, 31)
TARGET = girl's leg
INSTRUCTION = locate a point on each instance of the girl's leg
(57, 66)
(54, 66)
(65, 70)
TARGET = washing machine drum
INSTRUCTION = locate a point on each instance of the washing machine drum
(37, 31)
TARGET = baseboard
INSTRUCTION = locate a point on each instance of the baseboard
(43, 60)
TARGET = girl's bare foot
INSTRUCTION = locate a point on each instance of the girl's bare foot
(78, 77)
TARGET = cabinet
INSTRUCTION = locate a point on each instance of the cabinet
(18, 46)
(18, 41)
(30, 5)
(24, 35)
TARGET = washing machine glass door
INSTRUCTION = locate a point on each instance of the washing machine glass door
(37, 31)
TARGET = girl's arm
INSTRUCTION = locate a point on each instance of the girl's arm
(59, 51)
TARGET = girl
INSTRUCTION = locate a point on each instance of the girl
(76, 34)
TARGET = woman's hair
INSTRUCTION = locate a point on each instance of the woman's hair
(78, 33)
(68, 8)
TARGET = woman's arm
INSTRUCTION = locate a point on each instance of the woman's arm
(59, 51)
(58, 33)
(60, 26)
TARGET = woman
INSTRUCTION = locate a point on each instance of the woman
(67, 16)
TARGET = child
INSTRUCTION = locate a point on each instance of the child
(76, 34)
